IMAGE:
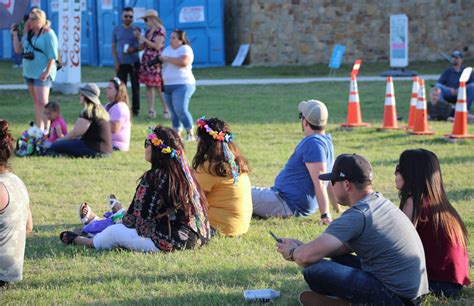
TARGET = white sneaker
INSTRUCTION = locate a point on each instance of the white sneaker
(190, 137)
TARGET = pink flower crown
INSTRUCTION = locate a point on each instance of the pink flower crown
(157, 142)
(219, 136)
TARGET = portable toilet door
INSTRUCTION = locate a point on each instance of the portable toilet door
(108, 16)
(88, 29)
(203, 22)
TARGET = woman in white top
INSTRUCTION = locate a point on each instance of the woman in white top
(119, 112)
(179, 81)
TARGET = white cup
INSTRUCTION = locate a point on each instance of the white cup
(125, 48)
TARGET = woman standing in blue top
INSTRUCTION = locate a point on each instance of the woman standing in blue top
(39, 50)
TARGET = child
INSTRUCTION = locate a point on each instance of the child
(58, 127)
(168, 211)
(442, 231)
(222, 173)
(93, 224)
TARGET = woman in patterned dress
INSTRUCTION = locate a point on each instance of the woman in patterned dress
(152, 43)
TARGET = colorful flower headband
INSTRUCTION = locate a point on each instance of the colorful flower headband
(219, 136)
(165, 149)
(225, 138)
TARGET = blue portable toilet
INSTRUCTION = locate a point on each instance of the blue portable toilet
(203, 21)
(89, 50)
(108, 16)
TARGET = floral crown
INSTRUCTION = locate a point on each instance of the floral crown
(157, 142)
(219, 136)
(224, 138)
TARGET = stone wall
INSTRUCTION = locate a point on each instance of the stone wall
(301, 32)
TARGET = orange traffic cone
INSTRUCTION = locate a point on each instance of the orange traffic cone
(390, 109)
(421, 117)
(414, 98)
(460, 116)
(354, 115)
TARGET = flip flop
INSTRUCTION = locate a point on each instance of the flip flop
(68, 237)
(113, 201)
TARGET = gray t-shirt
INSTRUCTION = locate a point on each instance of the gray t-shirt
(13, 220)
(122, 36)
(386, 242)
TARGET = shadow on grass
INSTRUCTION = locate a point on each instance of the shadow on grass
(465, 194)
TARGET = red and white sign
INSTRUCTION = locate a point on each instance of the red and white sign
(69, 37)
(8, 4)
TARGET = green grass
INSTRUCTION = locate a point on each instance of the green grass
(264, 119)
(10, 75)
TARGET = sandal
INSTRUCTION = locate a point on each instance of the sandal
(166, 115)
(113, 202)
(86, 214)
(151, 114)
(68, 237)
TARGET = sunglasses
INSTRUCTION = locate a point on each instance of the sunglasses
(397, 168)
(145, 19)
(147, 143)
(300, 116)
(128, 16)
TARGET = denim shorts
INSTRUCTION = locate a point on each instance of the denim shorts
(38, 82)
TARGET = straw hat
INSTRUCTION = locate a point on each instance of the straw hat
(151, 13)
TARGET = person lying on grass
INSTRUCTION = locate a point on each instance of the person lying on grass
(168, 211)
(93, 224)
(442, 231)
(222, 172)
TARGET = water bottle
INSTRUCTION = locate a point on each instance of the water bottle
(261, 295)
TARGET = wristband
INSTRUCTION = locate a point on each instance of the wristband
(326, 215)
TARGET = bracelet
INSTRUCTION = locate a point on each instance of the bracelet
(290, 254)
(326, 215)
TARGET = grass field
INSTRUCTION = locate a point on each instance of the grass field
(266, 126)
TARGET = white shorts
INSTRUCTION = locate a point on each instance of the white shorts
(118, 235)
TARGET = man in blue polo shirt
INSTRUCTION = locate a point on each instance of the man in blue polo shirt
(448, 82)
(297, 190)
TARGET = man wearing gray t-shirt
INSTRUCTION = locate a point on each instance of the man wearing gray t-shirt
(125, 50)
(389, 263)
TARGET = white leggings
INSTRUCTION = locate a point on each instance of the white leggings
(118, 235)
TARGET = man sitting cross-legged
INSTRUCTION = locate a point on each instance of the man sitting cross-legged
(388, 267)
(297, 190)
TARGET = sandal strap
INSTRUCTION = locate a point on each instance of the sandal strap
(85, 217)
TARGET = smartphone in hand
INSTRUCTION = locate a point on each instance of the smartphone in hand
(275, 237)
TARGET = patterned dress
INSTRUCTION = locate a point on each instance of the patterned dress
(171, 226)
(151, 75)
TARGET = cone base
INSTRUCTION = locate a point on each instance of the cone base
(458, 136)
(407, 127)
(362, 124)
(422, 133)
(390, 128)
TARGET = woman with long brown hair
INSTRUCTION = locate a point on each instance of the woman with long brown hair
(222, 172)
(442, 231)
(15, 214)
(168, 211)
(119, 112)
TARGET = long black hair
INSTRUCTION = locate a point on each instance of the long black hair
(423, 181)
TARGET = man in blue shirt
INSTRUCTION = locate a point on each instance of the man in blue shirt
(125, 54)
(297, 190)
(448, 82)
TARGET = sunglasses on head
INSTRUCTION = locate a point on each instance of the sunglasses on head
(128, 16)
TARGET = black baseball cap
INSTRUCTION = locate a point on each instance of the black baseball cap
(457, 54)
(351, 167)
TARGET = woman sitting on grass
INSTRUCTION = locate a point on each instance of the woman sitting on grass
(15, 214)
(222, 173)
(442, 232)
(167, 212)
(90, 136)
(119, 112)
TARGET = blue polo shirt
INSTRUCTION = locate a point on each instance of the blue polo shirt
(294, 183)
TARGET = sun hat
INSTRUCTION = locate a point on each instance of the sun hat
(91, 91)
(351, 167)
(151, 13)
(314, 111)
(457, 54)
